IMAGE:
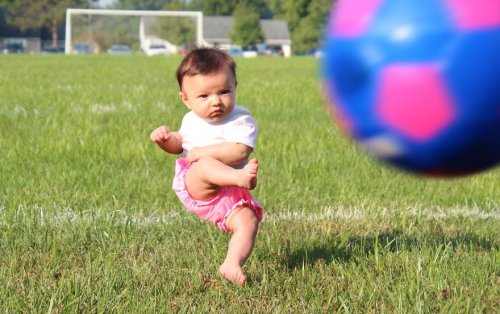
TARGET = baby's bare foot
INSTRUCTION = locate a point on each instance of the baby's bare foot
(248, 175)
(233, 273)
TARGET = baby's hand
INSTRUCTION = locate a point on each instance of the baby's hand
(160, 135)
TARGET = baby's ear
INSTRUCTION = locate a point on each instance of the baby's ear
(184, 98)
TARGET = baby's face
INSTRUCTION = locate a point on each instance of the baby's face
(211, 97)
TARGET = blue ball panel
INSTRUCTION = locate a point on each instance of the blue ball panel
(354, 82)
(472, 72)
(409, 31)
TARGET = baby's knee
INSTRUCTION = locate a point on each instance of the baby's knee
(201, 165)
(249, 218)
(243, 218)
(252, 217)
(205, 161)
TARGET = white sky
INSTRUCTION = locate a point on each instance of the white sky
(106, 2)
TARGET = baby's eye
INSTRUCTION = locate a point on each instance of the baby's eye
(225, 92)
(203, 96)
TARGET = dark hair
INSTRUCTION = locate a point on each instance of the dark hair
(205, 61)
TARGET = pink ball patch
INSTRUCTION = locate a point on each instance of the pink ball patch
(414, 100)
(352, 17)
(472, 14)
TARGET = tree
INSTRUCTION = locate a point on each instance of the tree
(306, 20)
(309, 32)
(180, 31)
(4, 3)
(291, 11)
(41, 13)
(214, 7)
(228, 7)
(177, 30)
(142, 4)
(246, 29)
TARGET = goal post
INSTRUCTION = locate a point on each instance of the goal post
(198, 15)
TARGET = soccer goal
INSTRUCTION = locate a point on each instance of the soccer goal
(96, 30)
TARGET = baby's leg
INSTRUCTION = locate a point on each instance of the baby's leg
(244, 225)
(207, 175)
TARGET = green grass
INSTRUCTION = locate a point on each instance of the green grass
(88, 222)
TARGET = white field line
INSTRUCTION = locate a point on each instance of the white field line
(93, 108)
(352, 214)
(67, 215)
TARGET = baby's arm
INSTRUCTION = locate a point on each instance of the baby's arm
(171, 142)
(230, 153)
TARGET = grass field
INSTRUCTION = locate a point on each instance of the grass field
(88, 222)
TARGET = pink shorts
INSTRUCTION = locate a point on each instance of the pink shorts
(215, 209)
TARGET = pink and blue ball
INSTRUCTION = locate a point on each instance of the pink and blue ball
(417, 83)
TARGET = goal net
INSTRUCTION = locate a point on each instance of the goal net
(96, 30)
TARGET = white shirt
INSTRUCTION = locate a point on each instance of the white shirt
(239, 127)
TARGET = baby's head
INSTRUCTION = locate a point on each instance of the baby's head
(205, 61)
(207, 82)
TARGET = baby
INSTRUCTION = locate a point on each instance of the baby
(214, 176)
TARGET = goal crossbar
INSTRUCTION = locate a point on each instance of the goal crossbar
(69, 12)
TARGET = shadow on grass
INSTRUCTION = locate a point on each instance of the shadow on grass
(356, 248)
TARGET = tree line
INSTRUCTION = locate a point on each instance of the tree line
(306, 18)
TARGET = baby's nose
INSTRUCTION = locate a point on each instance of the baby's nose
(215, 100)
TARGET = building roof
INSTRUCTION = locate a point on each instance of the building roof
(275, 32)
(216, 29)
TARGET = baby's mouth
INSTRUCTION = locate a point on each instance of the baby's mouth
(217, 112)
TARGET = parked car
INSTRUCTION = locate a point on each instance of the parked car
(83, 48)
(13, 48)
(51, 49)
(315, 52)
(156, 49)
(235, 52)
(272, 51)
(119, 50)
(250, 53)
